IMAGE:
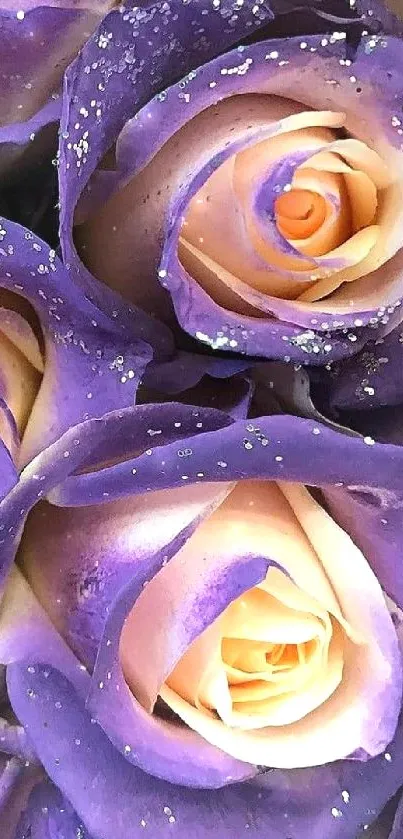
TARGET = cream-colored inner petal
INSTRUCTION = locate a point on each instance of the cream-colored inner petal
(273, 656)
(20, 381)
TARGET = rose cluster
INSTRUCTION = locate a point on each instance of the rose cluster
(201, 413)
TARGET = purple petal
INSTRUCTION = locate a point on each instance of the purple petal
(199, 380)
(373, 517)
(397, 828)
(8, 475)
(110, 795)
(49, 816)
(275, 447)
(37, 638)
(14, 742)
(372, 379)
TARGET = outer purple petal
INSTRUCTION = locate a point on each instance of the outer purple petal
(373, 517)
(49, 816)
(275, 447)
(113, 798)
(374, 378)
(225, 384)
(34, 638)
(397, 829)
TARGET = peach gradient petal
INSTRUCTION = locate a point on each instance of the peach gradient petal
(20, 381)
(17, 329)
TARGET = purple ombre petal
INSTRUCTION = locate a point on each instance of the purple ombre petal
(35, 638)
(105, 555)
(100, 550)
(158, 747)
(373, 518)
(274, 448)
(112, 797)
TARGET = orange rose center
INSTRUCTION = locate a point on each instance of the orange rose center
(299, 213)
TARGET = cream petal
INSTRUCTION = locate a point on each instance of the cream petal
(21, 381)
(16, 328)
(353, 252)
(235, 294)
(219, 283)
(259, 616)
(363, 158)
(250, 168)
(363, 198)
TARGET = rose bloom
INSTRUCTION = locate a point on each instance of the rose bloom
(246, 180)
(204, 648)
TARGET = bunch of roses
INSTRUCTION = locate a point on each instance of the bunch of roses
(201, 413)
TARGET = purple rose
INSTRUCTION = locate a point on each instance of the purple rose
(239, 168)
(196, 651)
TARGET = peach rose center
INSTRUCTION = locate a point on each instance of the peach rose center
(295, 216)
